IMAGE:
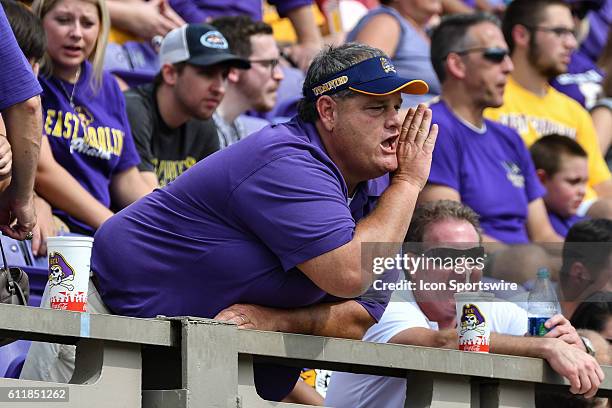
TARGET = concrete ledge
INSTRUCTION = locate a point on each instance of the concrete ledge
(29, 323)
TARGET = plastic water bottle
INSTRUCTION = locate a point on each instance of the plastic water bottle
(543, 303)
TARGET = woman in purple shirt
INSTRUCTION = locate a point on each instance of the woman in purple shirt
(88, 158)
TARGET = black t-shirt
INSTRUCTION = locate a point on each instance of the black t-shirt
(165, 151)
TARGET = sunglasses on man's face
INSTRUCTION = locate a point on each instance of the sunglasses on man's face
(493, 54)
(454, 253)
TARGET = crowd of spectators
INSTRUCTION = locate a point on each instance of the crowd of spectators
(183, 135)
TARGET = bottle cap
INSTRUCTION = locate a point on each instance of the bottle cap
(543, 273)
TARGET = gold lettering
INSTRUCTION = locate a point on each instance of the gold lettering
(173, 170)
(49, 121)
(189, 161)
(67, 125)
(119, 142)
(77, 124)
(115, 141)
(92, 137)
(57, 130)
(102, 139)
(329, 85)
(107, 138)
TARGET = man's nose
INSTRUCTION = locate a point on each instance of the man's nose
(277, 73)
(393, 121)
(219, 83)
(507, 65)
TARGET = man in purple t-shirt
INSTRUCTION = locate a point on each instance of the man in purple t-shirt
(21, 111)
(582, 81)
(481, 163)
(268, 233)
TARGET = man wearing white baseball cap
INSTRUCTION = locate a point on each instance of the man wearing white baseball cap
(171, 118)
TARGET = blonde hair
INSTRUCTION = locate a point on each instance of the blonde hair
(42, 7)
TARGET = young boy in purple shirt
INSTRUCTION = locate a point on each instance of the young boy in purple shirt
(562, 166)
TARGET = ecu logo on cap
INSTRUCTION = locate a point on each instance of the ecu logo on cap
(387, 66)
(214, 39)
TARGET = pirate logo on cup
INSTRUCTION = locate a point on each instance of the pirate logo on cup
(60, 272)
(472, 320)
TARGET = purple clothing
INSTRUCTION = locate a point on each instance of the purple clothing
(582, 82)
(93, 141)
(17, 82)
(491, 170)
(599, 25)
(135, 62)
(560, 224)
(232, 229)
(199, 11)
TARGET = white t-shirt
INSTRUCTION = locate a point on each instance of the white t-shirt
(361, 390)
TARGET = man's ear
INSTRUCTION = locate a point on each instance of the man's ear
(233, 75)
(169, 74)
(542, 175)
(455, 66)
(579, 272)
(327, 108)
(521, 35)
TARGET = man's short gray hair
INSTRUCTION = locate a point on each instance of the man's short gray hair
(327, 63)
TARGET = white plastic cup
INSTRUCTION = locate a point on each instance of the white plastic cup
(473, 324)
(69, 265)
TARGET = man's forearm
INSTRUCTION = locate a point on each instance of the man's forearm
(24, 130)
(420, 336)
(120, 12)
(303, 21)
(519, 345)
(346, 319)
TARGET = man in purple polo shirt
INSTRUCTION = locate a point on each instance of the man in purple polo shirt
(276, 222)
(21, 112)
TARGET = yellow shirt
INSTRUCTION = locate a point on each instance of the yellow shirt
(535, 116)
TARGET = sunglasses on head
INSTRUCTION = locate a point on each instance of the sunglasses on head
(493, 54)
(454, 253)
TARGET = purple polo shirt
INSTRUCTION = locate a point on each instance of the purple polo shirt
(17, 82)
(199, 11)
(491, 170)
(582, 81)
(560, 224)
(232, 229)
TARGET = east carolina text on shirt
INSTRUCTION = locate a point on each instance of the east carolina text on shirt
(101, 141)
